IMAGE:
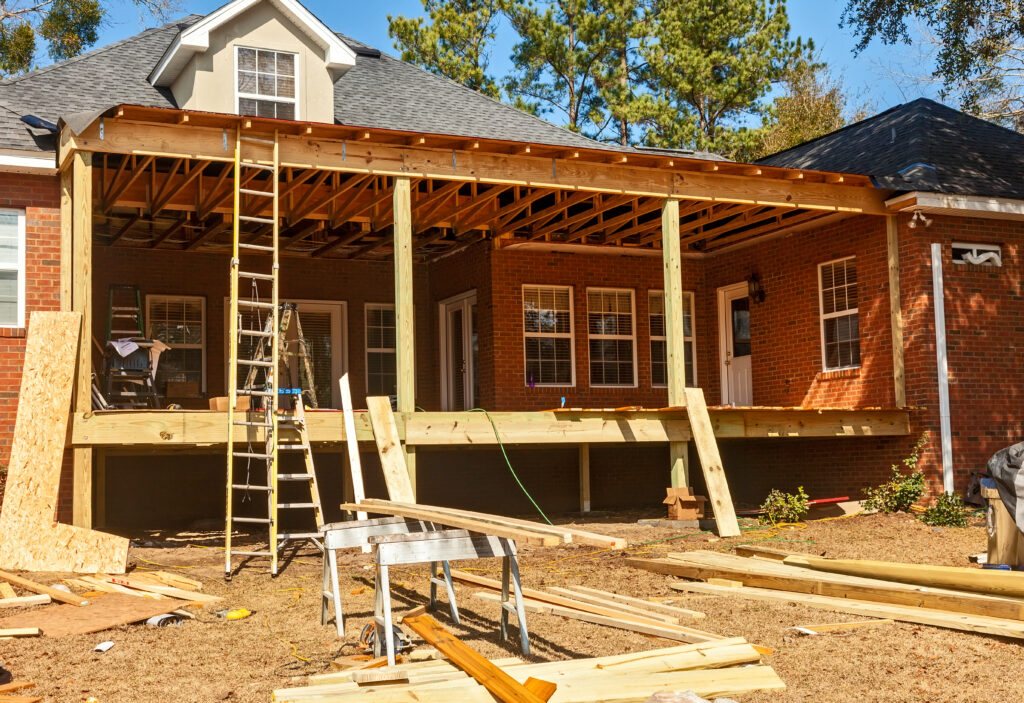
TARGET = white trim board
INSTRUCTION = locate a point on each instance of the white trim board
(962, 205)
(25, 163)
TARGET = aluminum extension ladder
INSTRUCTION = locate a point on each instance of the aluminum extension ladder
(257, 180)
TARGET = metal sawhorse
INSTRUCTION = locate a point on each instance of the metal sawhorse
(444, 546)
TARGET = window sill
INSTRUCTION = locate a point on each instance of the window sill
(853, 372)
(16, 332)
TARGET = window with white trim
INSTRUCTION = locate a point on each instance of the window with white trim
(659, 342)
(266, 83)
(179, 321)
(840, 333)
(381, 375)
(12, 268)
(547, 335)
(612, 338)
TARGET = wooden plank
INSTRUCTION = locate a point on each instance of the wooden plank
(921, 616)
(106, 611)
(672, 610)
(20, 699)
(405, 327)
(770, 574)
(430, 515)
(842, 626)
(171, 591)
(494, 679)
(675, 344)
(29, 539)
(711, 463)
(81, 296)
(566, 533)
(18, 631)
(355, 467)
(24, 601)
(6, 592)
(679, 464)
(892, 239)
(389, 447)
(16, 686)
(584, 470)
(990, 581)
(613, 605)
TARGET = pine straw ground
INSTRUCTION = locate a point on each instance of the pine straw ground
(214, 660)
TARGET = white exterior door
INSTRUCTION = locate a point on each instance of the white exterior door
(458, 352)
(734, 345)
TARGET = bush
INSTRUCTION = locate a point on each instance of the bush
(901, 490)
(784, 507)
(949, 511)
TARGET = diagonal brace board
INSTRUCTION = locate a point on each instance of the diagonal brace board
(711, 463)
(389, 446)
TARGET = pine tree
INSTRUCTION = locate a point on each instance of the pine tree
(454, 44)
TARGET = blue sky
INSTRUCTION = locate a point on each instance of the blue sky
(871, 78)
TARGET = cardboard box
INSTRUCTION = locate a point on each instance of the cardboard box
(683, 504)
(220, 403)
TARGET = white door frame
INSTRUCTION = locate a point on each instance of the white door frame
(467, 299)
(724, 326)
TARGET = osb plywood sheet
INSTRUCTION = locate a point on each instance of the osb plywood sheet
(29, 538)
(103, 612)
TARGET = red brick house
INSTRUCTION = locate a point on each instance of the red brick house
(537, 277)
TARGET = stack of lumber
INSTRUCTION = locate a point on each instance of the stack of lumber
(721, 668)
(970, 600)
(19, 686)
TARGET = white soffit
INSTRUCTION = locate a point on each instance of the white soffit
(962, 205)
(14, 162)
(196, 39)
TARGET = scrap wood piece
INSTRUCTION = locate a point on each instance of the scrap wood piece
(921, 616)
(16, 686)
(355, 466)
(711, 463)
(111, 610)
(29, 538)
(18, 631)
(640, 602)
(42, 589)
(989, 581)
(389, 447)
(771, 574)
(569, 535)
(24, 601)
(6, 592)
(433, 514)
(491, 677)
(168, 578)
(613, 605)
(419, 672)
(20, 699)
(840, 626)
(106, 587)
(171, 591)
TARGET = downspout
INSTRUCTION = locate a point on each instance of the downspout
(945, 432)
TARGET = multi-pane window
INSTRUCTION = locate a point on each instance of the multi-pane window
(266, 83)
(612, 341)
(180, 322)
(381, 377)
(840, 334)
(12, 268)
(659, 343)
(547, 335)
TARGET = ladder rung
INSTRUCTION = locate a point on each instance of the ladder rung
(261, 167)
(256, 140)
(256, 304)
(250, 455)
(253, 520)
(298, 535)
(252, 554)
(256, 333)
(262, 394)
(133, 332)
(257, 247)
(295, 477)
(295, 506)
(125, 308)
(258, 276)
(248, 487)
(293, 446)
(253, 218)
(254, 362)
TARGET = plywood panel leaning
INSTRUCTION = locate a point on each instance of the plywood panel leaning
(30, 540)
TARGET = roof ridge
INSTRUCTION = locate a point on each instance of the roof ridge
(97, 51)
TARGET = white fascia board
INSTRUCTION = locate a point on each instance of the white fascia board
(963, 205)
(12, 162)
(196, 39)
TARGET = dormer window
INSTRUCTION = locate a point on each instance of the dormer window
(266, 85)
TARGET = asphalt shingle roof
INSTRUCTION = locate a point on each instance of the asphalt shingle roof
(379, 92)
(921, 145)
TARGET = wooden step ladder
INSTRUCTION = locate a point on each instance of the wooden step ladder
(256, 185)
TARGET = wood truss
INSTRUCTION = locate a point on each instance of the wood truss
(337, 190)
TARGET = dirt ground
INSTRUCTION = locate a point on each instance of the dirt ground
(213, 660)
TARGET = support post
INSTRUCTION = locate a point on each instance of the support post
(81, 301)
(584, 465)
(404, 326)
(896, 311)
(942, 364)
(675, 344)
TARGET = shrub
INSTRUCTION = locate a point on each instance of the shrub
(949, 511)
(901, 490)
(784, 507)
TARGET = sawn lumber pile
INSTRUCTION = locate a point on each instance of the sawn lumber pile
(897, 591)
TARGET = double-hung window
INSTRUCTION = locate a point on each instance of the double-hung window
(659, 341)
(12, 268)
(612, 337)
(840, 328)
(180, 322)
(381, 377)
(547, 335)
(266, 83)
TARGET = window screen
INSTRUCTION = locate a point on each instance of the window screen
(840, 331)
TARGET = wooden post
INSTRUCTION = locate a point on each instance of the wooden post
(584, 466)
(81, 301)
(675, 344)
(404, 327)
(896, 311)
